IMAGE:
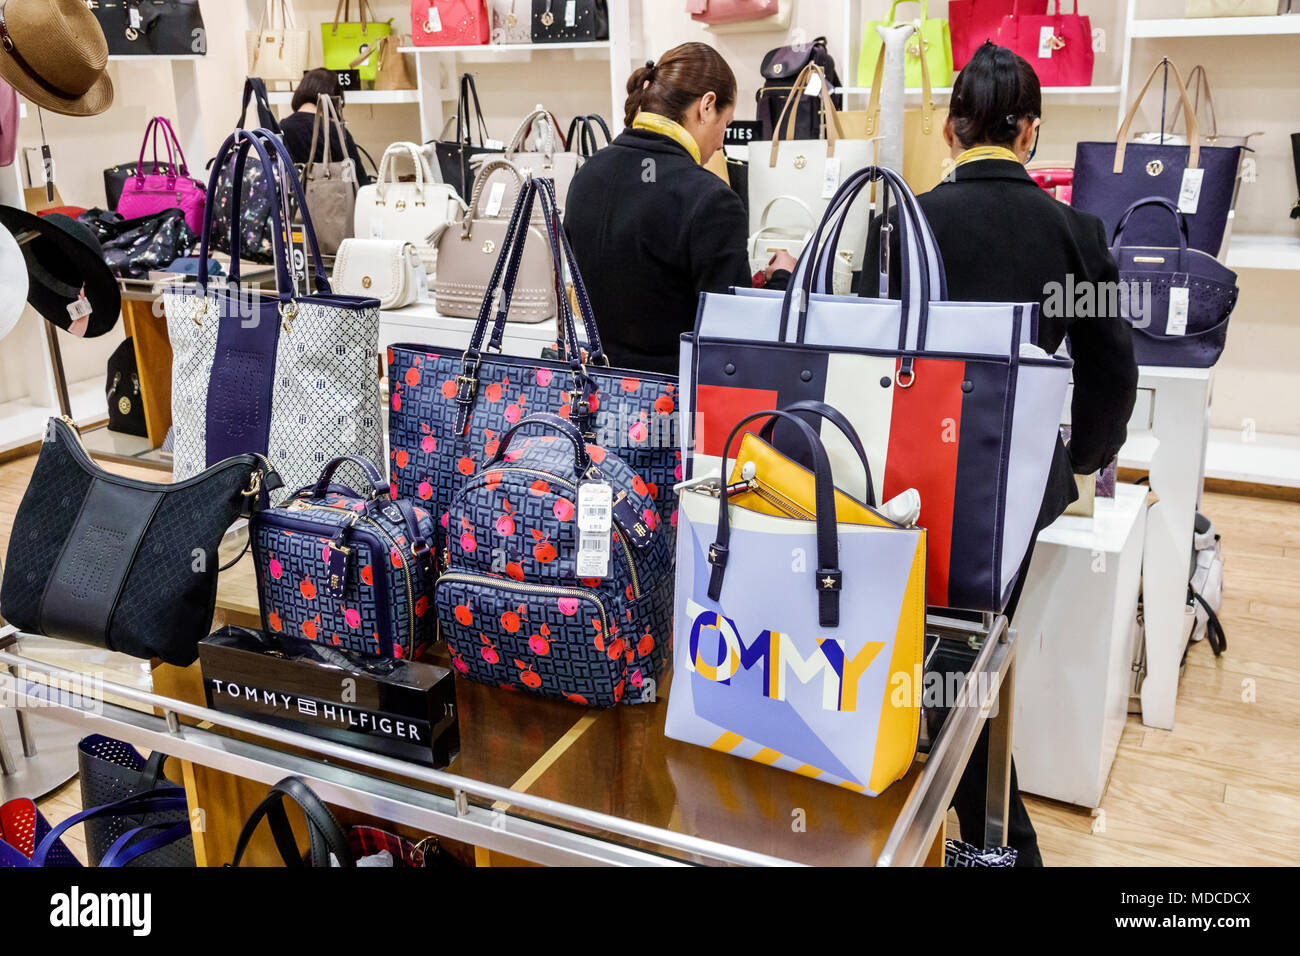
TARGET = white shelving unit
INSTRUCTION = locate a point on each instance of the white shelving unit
(493, 48)
(355, 97)
(1264, 252)
(1213, 26)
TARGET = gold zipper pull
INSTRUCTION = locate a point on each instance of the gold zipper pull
(254, 484)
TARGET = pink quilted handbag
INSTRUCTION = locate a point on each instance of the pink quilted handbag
(156, 187)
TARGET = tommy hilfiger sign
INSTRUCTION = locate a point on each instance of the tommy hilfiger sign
(400, 708)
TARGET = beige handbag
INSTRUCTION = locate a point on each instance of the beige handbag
(512, 21)
(467, 254)
(330, 186)
(810, 169)
(550, 161)
(926, 156)
(390, 270)
(394, 72)
(1233, 8)
(278, 50)
(388, 209)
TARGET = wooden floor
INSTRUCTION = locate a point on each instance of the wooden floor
(1222, 788)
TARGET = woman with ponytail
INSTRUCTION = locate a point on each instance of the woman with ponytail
(1003, 239)
(650, 226)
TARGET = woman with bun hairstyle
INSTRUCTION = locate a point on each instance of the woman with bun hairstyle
(1004, 239)
(650, 226)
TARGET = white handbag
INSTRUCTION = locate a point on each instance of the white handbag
(388, 269)
(548, 161)
(388, 209)
(512, 21)
(810, 170)
(770, 240)
(278, 49)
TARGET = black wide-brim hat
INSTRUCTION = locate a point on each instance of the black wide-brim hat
(63, 259)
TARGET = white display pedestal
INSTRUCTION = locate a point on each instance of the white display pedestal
(1076, 624)
(1174, 404)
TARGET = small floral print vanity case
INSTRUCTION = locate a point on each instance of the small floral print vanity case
(346, 569)
(559, 581)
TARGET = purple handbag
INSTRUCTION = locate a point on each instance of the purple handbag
(155, 187)
(1110, 177)
(1154, 271)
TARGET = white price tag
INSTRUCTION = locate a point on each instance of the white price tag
(595, 507)
(1178, 299)
(79, 308)
(595, 519)
(571, 13)
(493, 144)
(814, 87)
(424, 281)
(495, 198)
(136, 21)
(434, 23)
(376, 228)
(1189, 197)
(831, 177)
(1098, 40)
(1045, 36)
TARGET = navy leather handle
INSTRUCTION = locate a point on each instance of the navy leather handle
(127, 847)
(323, 831)
(379, 486)
(836, 418)
(152, 801)
(829, 578)
(1163, 203)
(581, 460)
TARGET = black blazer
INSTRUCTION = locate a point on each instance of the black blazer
(652, 229)
(1003, 239)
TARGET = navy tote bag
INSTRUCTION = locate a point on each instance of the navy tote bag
(1110, 177)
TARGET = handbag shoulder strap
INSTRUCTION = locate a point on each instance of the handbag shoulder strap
(538, 115)
(831, 128)
(325, 836)
(387, 174)
(812, 219)
(480, 183)
(326, 122)
(171, 799)
(1193, 131)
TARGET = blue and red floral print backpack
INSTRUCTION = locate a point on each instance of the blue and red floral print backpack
(523, 603)
(346, 569)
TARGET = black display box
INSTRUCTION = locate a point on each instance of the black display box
(403, 709)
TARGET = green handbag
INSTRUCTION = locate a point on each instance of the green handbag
(935, 41)
(355, 46)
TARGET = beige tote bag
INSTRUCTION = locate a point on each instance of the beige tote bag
(278, 49)
(330, 186)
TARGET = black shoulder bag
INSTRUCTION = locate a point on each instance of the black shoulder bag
(119, 563)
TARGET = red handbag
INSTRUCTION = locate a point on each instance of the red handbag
(731, 11)
(450, 22)
(971, 22)
(1057, 180)
(1057, 45)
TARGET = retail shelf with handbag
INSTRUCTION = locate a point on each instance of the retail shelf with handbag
(570, 21)
(151, 27)
(410, 211)
(450, 22)
(1058, 45)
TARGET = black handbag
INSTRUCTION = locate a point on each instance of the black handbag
(258, 192)
(582, 138)
(1149, 274)
(119, 563)
(551, 23)
(780, 69)
(135, 247)
(125, 410)
(110, 770)
(152, 27)
(455, 156)
(326, 838)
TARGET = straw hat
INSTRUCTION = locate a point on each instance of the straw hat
(54, 53)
